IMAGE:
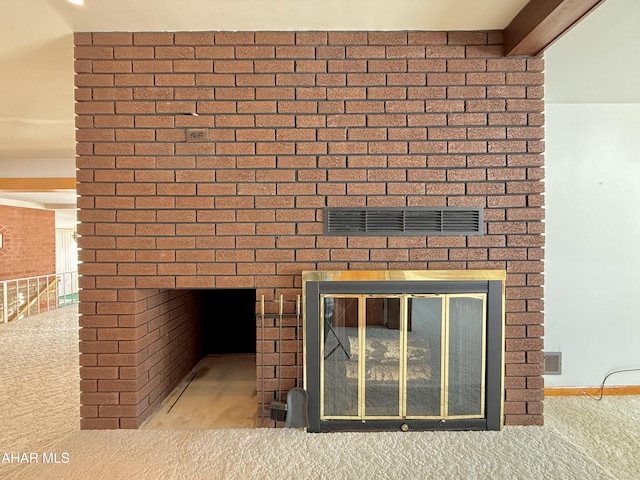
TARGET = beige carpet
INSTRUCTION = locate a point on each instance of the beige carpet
(39, 402)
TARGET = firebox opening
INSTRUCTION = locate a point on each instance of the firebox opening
(220, 390)
(228, 321)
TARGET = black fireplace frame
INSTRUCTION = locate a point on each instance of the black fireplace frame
(494, 384)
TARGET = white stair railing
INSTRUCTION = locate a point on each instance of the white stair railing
(22, 297)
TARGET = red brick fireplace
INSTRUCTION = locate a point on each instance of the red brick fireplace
(205, 161)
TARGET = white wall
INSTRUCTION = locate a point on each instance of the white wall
(66, 251)
(66, 220)
(592, 292)
(67, 261)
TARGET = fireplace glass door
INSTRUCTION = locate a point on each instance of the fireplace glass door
(402, 356)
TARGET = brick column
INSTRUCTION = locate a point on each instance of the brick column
(297, 121)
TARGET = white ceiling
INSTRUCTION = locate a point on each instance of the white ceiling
(203, 15)
(595, 62)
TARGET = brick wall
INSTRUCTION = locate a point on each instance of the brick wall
(297, 121)
(135, 347)
(29, 242)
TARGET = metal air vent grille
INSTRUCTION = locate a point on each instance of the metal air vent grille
(403, 221)
(552, 363)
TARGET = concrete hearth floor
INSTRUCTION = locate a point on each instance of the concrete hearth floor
(220, 392)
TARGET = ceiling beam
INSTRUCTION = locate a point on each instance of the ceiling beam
(60, 206)
(37, 184)
(542, 22)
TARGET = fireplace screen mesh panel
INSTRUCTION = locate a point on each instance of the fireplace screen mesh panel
(424, 393)
(410, 355)
(466, 357)
(341, 394)
(380, 363)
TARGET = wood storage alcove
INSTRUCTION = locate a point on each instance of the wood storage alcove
(408, 350)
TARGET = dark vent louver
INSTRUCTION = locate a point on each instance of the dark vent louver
(348, 221)
(423, 221)
(459, 220)
(403, 221)
(384, 220)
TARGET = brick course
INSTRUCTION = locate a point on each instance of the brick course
(296, 121)
(29, 242)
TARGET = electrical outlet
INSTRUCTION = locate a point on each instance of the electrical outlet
(197, 135)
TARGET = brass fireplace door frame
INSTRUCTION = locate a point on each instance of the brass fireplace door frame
(358, 355)
(489, 291)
